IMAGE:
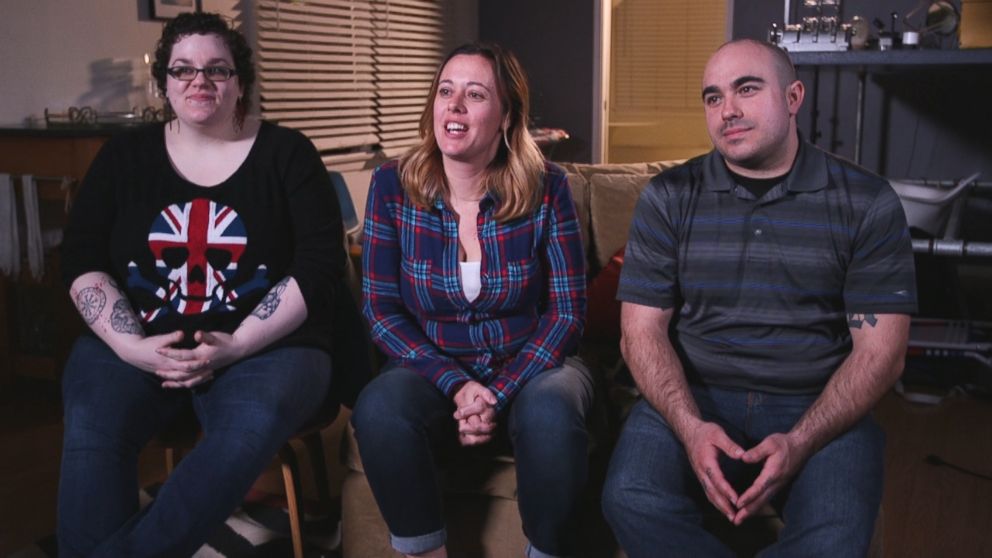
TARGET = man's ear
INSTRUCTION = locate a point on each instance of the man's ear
(795, 92)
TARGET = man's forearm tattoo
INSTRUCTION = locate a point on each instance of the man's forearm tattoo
(271, 301)
(123, 320)
(90, 302)
(856, 320)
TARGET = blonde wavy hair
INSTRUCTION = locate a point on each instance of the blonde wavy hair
(515, 175)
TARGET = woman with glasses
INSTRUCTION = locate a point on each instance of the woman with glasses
(474, 286)
(206, 256)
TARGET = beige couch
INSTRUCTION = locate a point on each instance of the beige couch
(480, 490)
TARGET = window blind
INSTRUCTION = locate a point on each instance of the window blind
(658, 51)
(353, 75)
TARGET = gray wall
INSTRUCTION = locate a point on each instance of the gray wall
(58, 54)
(554, 41)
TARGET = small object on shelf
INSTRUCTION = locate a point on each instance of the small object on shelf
(860, 32)
(77, 117)
(816, 33)
(942, 18)
(546, 137)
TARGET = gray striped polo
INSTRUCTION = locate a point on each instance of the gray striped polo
(763, 286)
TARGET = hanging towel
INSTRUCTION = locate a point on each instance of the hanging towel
(10, 243)
(32, 227)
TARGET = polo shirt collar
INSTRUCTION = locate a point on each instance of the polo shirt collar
(808, 174)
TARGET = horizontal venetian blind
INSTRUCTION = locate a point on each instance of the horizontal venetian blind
(659, 50)
(409, 43)
(353, 75)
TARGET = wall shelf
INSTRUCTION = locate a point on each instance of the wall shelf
(899, 57)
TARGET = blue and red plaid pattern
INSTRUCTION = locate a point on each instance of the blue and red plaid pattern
(528, 316)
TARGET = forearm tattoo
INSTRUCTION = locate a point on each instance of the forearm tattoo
(123, 320)
(90, 302)
(271, 301)
(856, 320)
(113, 285)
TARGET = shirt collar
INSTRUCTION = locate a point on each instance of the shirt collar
(808, 174)
(488, 201)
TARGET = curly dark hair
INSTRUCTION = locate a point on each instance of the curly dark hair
(204, 23)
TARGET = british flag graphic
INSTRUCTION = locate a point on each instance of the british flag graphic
(197, 246)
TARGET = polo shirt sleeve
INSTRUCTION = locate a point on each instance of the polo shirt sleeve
(393, 328)
(881, 277)
(650, 265)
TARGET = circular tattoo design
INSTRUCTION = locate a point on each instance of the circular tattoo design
(90, 302)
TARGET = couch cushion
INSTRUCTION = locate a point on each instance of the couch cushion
(603, 315)
(589, 170)
(580, 193)
(658, 166)
(612, 198)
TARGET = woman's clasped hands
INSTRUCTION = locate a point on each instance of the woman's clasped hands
(183, 368)
(475, 413)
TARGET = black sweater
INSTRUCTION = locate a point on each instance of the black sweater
(190, 257)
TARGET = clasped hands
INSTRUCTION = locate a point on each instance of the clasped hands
(183, 368)
(476, 414)
(781, 454)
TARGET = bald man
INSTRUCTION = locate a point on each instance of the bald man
(766, 289)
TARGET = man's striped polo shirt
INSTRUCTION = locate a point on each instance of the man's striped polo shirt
(764, 285)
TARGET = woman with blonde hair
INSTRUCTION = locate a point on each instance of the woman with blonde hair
(474, 286)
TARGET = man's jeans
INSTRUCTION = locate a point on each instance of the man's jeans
(112, 410)
(401, 420)
(655, 504)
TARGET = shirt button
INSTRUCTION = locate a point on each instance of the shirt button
(757, 232)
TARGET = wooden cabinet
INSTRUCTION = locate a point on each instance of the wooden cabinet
(37, 321)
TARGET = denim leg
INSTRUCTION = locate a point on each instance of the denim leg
(112, 410)
(651, 498)
(831, 506)
(247, 413)
(547, 427)
(400, 419)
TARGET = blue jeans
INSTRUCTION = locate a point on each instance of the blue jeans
(402, 421)
(112, 410)
(655, 504)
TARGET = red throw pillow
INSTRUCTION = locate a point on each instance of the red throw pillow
(603, 315)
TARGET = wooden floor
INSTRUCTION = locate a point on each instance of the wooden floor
(929, 511)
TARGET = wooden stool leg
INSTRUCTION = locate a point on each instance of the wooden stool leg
(172, 456)
(294, 496)
(315, 447)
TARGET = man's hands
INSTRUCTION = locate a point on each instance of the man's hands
(475, 413)
(782, 456)
(704, 448)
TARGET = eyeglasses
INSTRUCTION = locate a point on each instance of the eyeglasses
(213, 73)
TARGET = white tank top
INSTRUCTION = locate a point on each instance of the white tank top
(471, 279)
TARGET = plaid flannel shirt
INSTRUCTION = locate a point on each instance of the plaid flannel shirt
(528, 316)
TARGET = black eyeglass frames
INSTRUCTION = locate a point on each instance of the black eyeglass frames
(213, 73)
